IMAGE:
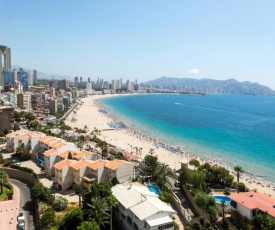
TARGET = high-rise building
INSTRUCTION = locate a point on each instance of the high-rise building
(76, 81)
(6, 66)
(80, 80)
(52, 92)
(30, 78)
(23, 77)
(114, 86)
(53, 107)
(63, 84)
(89, 80)
(34, 77)
(9, 78)
(89, 88)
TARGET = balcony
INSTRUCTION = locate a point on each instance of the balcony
(88, 180)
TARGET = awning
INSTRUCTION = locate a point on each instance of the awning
(160, 221)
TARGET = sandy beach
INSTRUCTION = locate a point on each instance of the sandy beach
(91, 115)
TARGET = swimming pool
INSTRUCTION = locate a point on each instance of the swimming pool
(154, 189)
(218, 199)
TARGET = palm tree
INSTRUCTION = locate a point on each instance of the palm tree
(112, 201)
(151, 151)
(238, 169)
(223, 205)
(4, 179)
(140, 151)
(98, 211)
(163, 173)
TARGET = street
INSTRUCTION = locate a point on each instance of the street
(26, 203)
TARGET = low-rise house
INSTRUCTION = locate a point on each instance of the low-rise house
(64, 155)
(63, 174)
(12, 139)
(141, 209)
(130, 157)
(250, 204)
(85, 155)
(31, 140)
(80, 170)
(122, 170)
(97, 172)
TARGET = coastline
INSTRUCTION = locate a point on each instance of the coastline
(128, 138)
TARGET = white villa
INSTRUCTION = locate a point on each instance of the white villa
(141, 209)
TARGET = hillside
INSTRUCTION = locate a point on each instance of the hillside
(230, 86)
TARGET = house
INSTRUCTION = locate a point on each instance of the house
(31, 140)
(122, 170)
(12, 139)
(130, 157)
(97, 172)
(64, 155)
(63, 174)
(80, 170)
(250, 204)
(141, 209)
(87, 155)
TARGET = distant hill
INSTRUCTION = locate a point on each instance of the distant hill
(230, 86)
(42, 75)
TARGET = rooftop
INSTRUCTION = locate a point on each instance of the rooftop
(113, 165)
(79, 164)
(96, 164)
(255, 200)
(66, 153)
(62, 164)
(50, 152)
(81, 154)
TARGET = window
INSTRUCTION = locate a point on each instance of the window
(166, 226)
(254, 212)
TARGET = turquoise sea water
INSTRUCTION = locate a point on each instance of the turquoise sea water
(233, 129)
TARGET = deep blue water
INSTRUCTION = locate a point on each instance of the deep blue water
(235, 129)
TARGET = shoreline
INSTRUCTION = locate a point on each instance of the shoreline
(130, 139)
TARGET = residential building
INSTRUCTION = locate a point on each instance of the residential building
(6, 118)
(31, 140)
(6, 53)
(34, 77)
(141, 209)
(89, 88)
(122, 170)
(63, 174)
(12, 139)
(250, 204)
(85, 155)
(80, 170)
(53, 106)
(97, 172)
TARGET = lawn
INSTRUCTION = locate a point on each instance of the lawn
(3, 195)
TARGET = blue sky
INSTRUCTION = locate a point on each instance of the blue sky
(143, 39)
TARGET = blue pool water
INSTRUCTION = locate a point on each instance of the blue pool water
(154, 189)
(218, 199)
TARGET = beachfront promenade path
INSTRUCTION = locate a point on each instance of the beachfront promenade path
(9, 210)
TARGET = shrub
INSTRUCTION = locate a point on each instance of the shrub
(73, 218)
(60, 204)
(47, 218)
(42, 193)
(88, 225)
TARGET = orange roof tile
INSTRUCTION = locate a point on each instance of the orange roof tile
(43, 139)
(58, 146)
(115, 164)
(96, 164)
(54, 142)
(49, 140)
(62, 164)
(66, 153)
(23, 137)
(50, 152)
(81, 154)
(253, 200)
(79, 164)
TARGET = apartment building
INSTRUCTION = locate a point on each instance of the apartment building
(122, 170)
(12, 139)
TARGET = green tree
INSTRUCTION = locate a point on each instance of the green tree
(194, 162)
(88, 225)
(207, 203)
(163, 175)
(29, 116)
(42, 193)
(60, 203)
(150, 164)
(73, 219)
(4, 179)
(17, 116)
(112, 203)
(47, 218)
(98, 211)
(166, 196)
(238, 169)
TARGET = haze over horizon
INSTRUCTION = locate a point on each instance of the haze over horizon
(142, 39)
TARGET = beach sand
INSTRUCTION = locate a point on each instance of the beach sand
(88, 114)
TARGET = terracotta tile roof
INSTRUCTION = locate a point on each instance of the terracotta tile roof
(22, 132)
(96, 164)
(253, 200)
(49, 140)
(60, 145)
(62, 164)
(54, 143)
(50, 152)
(43, 139)
(113, 165)
(66, 153)
(81, 154)
(23, 137)
(79, 164)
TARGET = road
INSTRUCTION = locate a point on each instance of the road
(26, 203)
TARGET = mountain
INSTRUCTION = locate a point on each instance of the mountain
(42, 75)
(230, 86)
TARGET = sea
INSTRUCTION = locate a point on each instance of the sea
(231, 129)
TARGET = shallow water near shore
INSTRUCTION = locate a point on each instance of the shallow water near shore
(231, 129)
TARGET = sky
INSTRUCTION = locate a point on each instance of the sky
(143, 39)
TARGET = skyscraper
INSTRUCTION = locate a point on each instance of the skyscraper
(6, 52)
(35, 77)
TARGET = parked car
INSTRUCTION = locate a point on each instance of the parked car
(18, 164)
(177, 183)
(21, 216)
(21, 225)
